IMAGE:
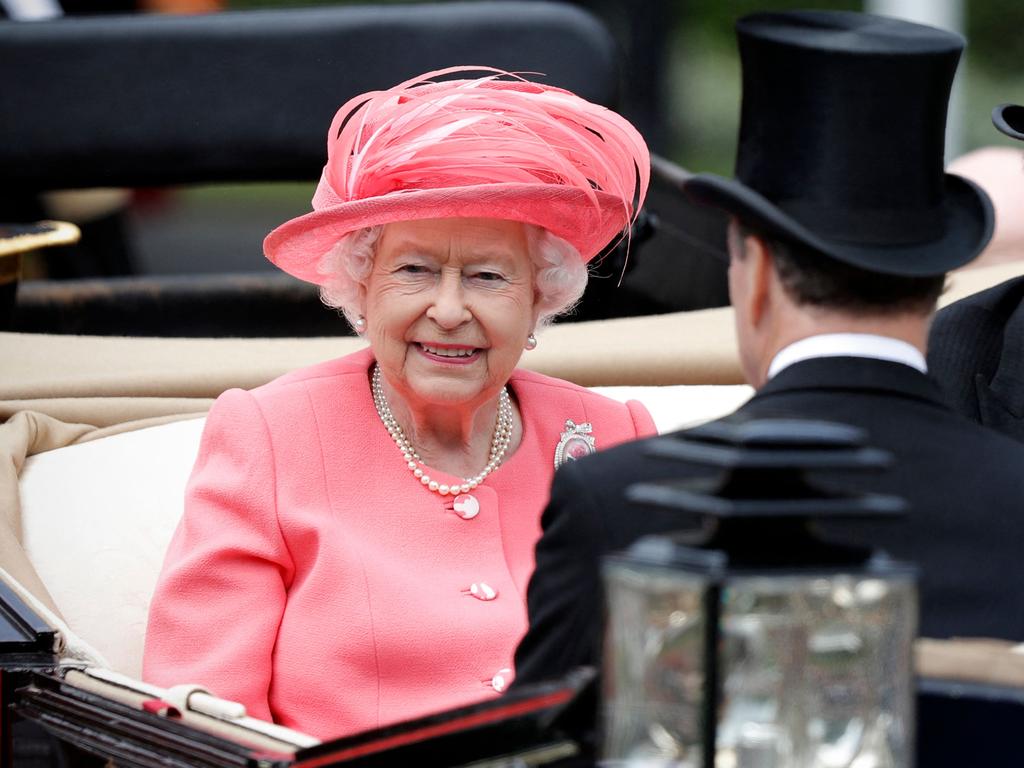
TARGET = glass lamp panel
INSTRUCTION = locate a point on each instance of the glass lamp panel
(654, 667)
(814, 672)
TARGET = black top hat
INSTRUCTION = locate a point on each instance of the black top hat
(1009, 119)
(841, 143)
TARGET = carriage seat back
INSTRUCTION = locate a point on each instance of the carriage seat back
(98, 516)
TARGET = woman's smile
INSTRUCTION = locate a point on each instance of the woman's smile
(450, 354)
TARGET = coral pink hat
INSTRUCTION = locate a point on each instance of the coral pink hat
(488, 147)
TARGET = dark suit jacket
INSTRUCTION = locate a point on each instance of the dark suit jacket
(976, 352)
(965, 527)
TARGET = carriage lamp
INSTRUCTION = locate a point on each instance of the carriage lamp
(746, 639)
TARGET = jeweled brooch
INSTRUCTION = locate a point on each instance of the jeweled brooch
(575, 443)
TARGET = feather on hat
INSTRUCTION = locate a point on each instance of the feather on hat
(491, 147)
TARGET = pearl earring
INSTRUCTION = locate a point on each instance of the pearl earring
(359, 324)
(531, 342)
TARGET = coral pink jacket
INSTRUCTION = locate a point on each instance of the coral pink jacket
(315, 580)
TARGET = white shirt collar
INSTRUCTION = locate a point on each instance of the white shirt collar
(848, 345)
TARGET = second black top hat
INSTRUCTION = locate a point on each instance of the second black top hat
(1009, 119)
(841, 143)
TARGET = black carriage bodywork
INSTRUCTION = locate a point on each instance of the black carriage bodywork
(245, 96)
(84, 726)
(959, 723)
(27, 646)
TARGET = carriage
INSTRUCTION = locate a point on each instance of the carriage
(102, 426)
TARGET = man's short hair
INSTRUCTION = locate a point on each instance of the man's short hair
(810, 278)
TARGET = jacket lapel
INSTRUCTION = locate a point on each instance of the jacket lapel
(1001, 401)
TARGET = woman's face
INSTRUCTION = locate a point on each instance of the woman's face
(448, 306)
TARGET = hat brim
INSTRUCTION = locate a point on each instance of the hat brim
(967, 214)
(1009, 119)
(590, 224)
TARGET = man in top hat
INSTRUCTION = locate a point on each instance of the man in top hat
(976, 347)
(843, 225)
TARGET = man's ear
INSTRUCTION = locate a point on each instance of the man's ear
(759, 270)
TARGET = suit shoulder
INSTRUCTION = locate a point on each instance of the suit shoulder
(1003, 297)
(967, 341)
(977, 314)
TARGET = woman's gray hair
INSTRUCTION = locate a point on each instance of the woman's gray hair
(559, 277)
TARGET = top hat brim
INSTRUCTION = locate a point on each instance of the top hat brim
(966, 210)
(588, 223)
(1009, 119)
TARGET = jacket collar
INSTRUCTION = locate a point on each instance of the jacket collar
(854, 373)
(1001, 400)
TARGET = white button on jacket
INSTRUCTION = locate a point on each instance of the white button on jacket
(482, 591)
(501, 679)
(467, 506)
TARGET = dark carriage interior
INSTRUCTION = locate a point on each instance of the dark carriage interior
(242, 98)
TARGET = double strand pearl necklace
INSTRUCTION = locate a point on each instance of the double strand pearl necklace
(499, 443)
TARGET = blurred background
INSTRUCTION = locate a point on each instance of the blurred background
(681, 88)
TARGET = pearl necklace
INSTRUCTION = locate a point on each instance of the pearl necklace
(499, 443)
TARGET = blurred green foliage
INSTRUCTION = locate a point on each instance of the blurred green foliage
(995, 31)
(703, 91)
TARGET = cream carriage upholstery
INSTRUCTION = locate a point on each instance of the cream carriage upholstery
(97, 513)
(101, 514)
(103, 432)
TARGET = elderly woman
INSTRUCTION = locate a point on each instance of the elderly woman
(358, 536)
